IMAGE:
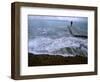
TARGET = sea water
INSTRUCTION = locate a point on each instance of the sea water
(53, 37)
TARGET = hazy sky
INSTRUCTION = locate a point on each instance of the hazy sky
(67, 18)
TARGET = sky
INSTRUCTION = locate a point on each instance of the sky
(68, 18)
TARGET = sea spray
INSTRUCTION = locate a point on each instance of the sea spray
(65, 46)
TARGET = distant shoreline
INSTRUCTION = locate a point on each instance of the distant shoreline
(46, 60)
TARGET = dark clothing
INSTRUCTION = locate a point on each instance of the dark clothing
(71, 23)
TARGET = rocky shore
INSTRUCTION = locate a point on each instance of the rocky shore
(45, 60)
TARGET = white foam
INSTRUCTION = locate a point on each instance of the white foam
(44, 45)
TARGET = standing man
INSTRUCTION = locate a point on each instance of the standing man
(71, 23)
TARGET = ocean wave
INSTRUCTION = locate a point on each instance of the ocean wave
(46, 45)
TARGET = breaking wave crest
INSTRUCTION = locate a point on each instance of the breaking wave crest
(65, 46)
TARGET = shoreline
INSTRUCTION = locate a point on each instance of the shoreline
(46, 60)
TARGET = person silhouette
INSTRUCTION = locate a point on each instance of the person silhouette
(71, 23)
